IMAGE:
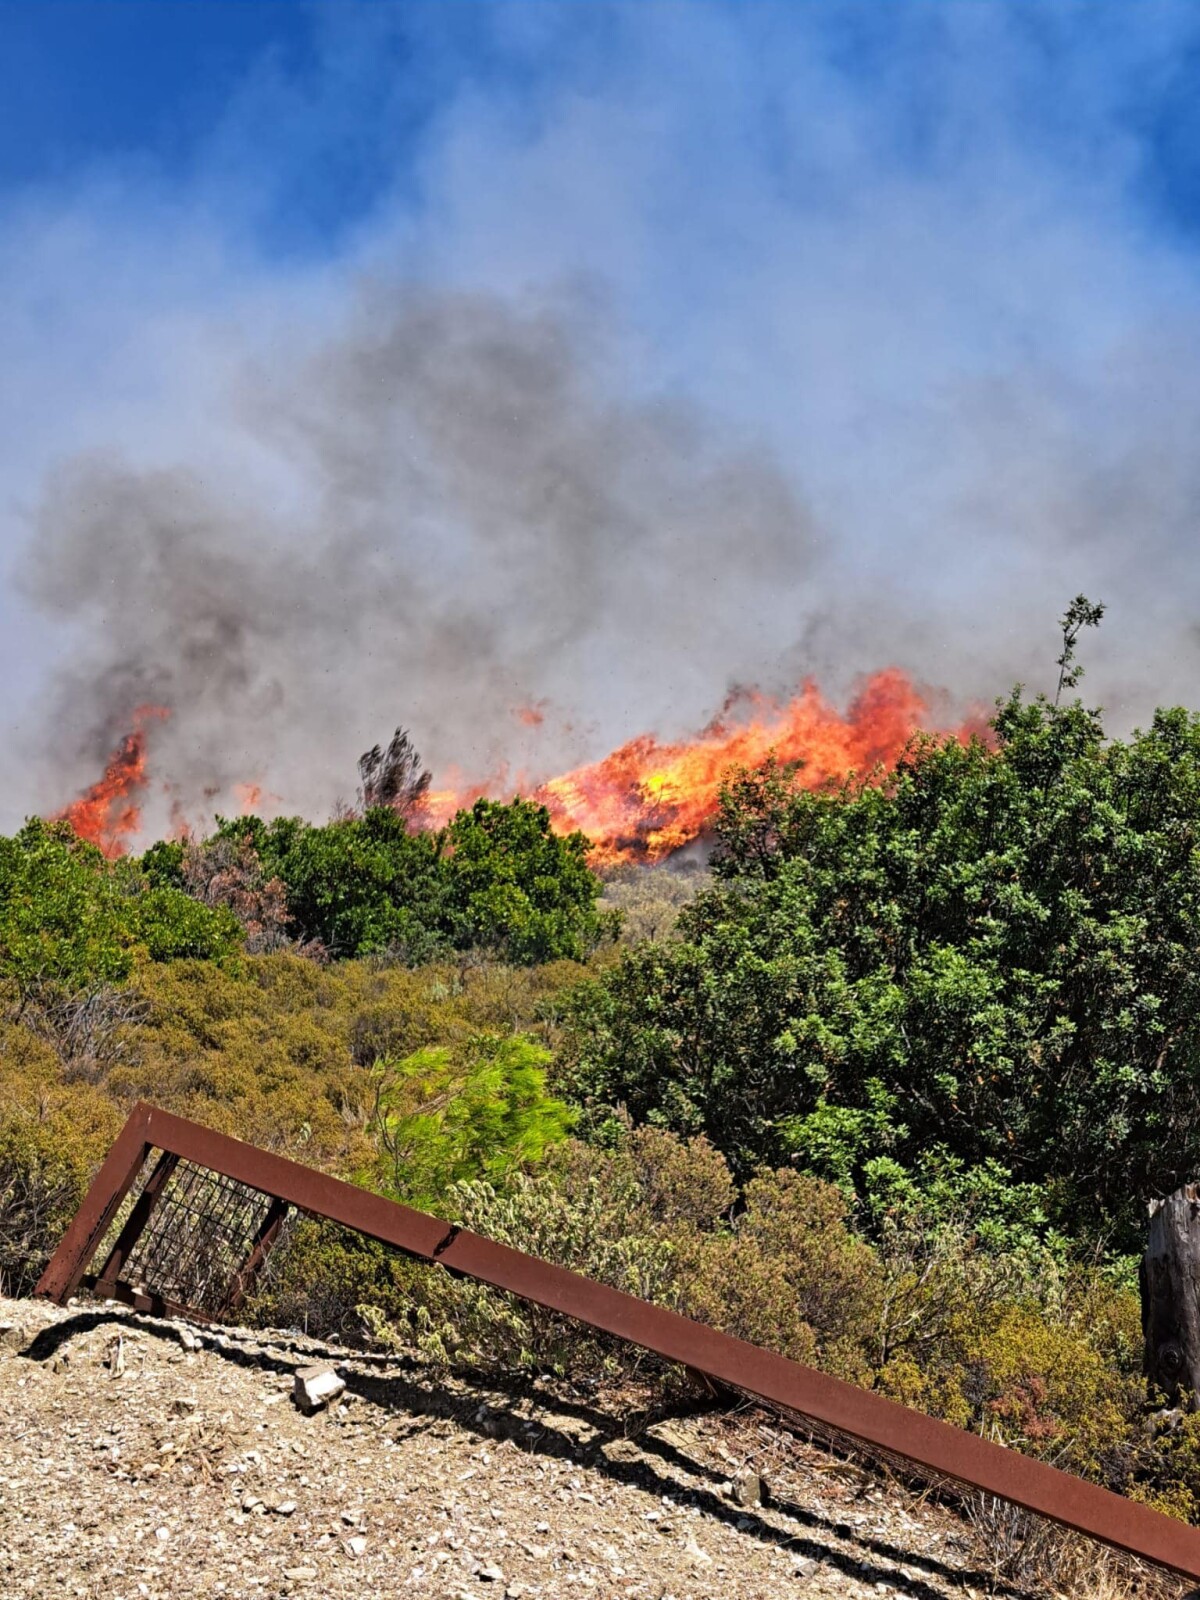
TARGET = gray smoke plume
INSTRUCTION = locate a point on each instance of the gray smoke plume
(457, 516)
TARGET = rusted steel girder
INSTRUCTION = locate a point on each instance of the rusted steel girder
(947, 1451)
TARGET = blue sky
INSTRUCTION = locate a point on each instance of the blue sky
(898, 303)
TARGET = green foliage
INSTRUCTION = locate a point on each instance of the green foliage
(790, 1274)
(171, 925)
(72, 921)
(63, 919)
(357, 885)
(839, 1141)
(446, 1116)
(650, 1216)
(997, 952)
(459, 1319)
(52, 1137)
(497, 878)
(516, 887)
(162, 864)
(278, 1049)
(622, 1216)
(1080, 614)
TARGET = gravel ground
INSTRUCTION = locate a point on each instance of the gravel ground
(132, 1466)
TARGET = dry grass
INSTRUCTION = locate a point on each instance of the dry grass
(1013, 1546)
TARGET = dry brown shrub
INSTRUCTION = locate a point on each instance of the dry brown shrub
(650, 899)
(52, 1137)
(1011, 1545)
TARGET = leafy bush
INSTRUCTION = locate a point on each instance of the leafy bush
(70, 921)
(445, 1116)
(497, 878)
(357, 884)
(789, 1274)
(63, 920)
(517, 888)
(650, 1217)
(52, 1137)
(277, 1049)
(582, 1228)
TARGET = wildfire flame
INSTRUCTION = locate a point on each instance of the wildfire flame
(532, 715)
(648, 799)
(108, 814)
(639, 804)
(252, 797)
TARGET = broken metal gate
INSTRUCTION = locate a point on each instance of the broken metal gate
(203, 1218)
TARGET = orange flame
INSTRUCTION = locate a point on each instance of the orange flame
(106, 814)
(639, 804)
(648, 799)
(531, 715)
(248, 797)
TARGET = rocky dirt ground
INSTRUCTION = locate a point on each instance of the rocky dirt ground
(136, 1462)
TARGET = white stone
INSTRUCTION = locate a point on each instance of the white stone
(314, 1387)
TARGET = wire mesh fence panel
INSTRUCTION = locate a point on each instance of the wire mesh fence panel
(198, 1239)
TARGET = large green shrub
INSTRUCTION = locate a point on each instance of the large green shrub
(496, 879)
(72, 921)
(517, 888)
(356, 885)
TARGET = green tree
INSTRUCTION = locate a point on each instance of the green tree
(358, 885)
(995, 953)
(517, 887)
(173, 926)
(71, 921)
(162, 864)
(63, 919)
(497, 878)
(481, 1112)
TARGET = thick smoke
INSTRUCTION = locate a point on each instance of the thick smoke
(453, 516)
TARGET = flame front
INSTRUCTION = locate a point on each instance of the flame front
(108, 814)
(648, 799)
(639, 804)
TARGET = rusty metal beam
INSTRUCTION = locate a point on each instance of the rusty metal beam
(947, 1451)
(141, 1299)
(264, 1241)
(139, 1216)
(100, 1206)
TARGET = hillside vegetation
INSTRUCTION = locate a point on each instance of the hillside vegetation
(888, 1090)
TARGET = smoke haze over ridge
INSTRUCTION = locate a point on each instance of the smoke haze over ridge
(479, 526)
(692, 348)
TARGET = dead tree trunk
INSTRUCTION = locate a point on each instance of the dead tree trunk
(1169, 1278)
